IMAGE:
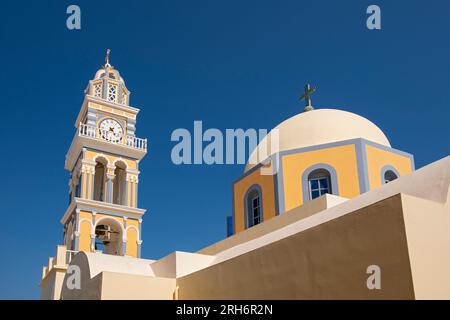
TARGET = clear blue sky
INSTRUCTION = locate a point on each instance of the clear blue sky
(231, 64)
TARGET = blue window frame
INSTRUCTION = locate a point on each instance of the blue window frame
(319, 183)
(254, 207)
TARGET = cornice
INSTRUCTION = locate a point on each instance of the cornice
(98, 206)
(88, 98)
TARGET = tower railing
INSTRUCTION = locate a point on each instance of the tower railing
(85, 130)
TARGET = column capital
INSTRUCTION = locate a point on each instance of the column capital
(88, 162)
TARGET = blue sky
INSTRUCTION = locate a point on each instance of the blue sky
(231, 64)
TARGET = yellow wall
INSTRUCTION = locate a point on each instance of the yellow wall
(115, 111)
(342, 159)
(378, 158)
(268, 197)
(85, 219)
(132, 238)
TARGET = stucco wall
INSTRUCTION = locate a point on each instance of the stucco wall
(120, 286)
(428, 232)
(326, 262)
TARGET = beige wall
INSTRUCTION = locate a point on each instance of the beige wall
(326, 262)
(120, 286)
(428, 232)
(107, 285)
(291, 216)
(52, 284)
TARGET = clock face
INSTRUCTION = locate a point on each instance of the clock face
(111, 130)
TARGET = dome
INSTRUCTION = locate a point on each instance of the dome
(318, 127)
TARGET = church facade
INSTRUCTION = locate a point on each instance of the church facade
(332, 203)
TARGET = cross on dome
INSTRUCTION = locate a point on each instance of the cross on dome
(309, 90)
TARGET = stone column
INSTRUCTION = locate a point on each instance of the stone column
(109, 187)
(126, 192)
(131, 190)
(93, 242)
(77, 240)
(92, 183)
(136, 190)
(139, 243)
(76, 232)
(81, 183)
(124, 237)
(93, 235)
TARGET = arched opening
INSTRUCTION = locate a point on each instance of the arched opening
(100, 179)
(77, 187)
(68, 237)
(254, 207)
(108, 237)
(319, 183)
(389, 176)
(120, 185)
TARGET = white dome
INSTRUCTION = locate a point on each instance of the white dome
(317, 127)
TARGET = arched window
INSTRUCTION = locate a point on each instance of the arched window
(254, 213)
(389, 176)
(119, 194)
(108, 237)
(78, 186)
(319, 183)
(99, 180)
(317, 180)
(68, 237)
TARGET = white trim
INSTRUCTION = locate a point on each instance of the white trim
(119, 149)
(99, 206)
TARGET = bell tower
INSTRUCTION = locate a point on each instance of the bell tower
(103, 161)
